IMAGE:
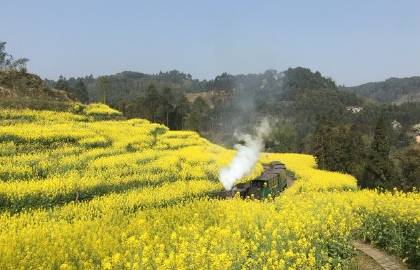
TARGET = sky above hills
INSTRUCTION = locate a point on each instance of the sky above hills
(351, 41)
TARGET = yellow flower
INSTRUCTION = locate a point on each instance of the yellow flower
(80, 191)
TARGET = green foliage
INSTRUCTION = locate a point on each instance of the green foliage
(159, 130)
(199, 117)
(104, 86)
(77, 90)
(165, 106)
(391, 90)
(338, 148)
(224, 81)
(303, 78)
(392, 234)
(297, 96)
(380, 170)
(62, 84)
(80, 92)
(283, 138)
(8, 63)
(410, 160)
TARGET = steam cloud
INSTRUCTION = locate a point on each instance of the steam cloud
(246, 156)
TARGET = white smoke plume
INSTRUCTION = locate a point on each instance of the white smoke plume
(246, 157)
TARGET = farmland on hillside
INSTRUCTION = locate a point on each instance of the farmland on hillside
(89, 190)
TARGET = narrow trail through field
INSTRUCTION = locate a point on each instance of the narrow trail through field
(290, 181)
(386, 261)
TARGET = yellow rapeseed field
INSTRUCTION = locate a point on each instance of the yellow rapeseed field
(90, 190)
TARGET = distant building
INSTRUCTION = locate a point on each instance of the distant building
(396, 125)
(354, 109)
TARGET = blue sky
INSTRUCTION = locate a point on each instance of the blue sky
(351, 41)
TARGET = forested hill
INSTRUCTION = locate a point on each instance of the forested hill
(218, 106)
(129, 85)
(392, 90)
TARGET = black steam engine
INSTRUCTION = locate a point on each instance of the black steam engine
(272, 181)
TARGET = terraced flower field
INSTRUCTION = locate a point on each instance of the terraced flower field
(89, 190)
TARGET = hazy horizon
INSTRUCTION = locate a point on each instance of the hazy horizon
(352, 42)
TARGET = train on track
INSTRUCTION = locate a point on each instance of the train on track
(271, 182)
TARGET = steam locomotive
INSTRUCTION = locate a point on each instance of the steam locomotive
(272, 181)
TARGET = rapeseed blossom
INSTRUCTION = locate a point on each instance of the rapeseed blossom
(88, 191)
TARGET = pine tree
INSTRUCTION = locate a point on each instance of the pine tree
(379, 170)
(181, 111)
(338, 148)
(62, 84)
(319, 144)
(410, 165)
(80, 92)
(104, 86)
(8, 62)
(166, 107)
(199, 119)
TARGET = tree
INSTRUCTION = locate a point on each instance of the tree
(380, 170)
(166, 106)
(104, 87)
(410, 167)
(181, 111)
(76, 88)
(152, 101)
(338, 148)
(320, 144)
(80, 91)
(224, 82)
(3, 54)
(62, 84)
(7, 61)
(199, 119)
(283, 138)
(148, 106)
(353, 151)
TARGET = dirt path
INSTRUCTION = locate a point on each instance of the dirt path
(289, 180)
(386, 261)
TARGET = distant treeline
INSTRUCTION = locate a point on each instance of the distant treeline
(396, 90)
(345, 131)
(311, 114)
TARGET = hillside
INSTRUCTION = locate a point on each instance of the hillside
(84, 192)
(393, 90)
(128, 85)
(227, 102)
(25, 90)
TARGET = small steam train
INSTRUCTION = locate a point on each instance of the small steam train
(272, 181)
